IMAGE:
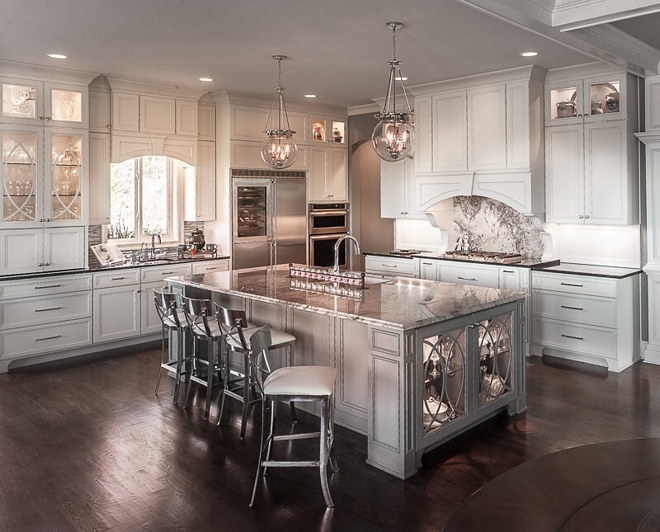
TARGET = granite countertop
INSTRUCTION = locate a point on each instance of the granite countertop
(596, 271)
(123, 265)
(529, 263)
(398, 303)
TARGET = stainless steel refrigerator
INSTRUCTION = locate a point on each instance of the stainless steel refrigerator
(269, 221)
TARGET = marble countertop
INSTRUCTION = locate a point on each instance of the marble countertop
(123, 265)
(596, 271)
(529, 263)
(399, 303)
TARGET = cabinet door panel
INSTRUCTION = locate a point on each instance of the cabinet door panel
(186, 118)
(116, 313)
(564, 174)
(423, 136)
(450, 132)
(64, 248)
(605, 173)
(99, 178)
(20, 250)
(317, 168)
(337, 174)
(157, 115)
(487, 128)
(392, 189)
(125, 111)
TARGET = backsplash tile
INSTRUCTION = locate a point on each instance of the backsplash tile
(494, 226)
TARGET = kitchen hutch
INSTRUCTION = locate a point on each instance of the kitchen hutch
(44, 129)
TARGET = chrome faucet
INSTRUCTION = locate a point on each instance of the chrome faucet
(335, 268)
(153, 244)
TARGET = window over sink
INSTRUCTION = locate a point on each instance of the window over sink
(143, 194)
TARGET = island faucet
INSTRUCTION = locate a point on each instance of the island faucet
(335, 268)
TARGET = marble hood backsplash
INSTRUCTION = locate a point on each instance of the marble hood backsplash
(494, 226)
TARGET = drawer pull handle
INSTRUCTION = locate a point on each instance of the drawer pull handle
(46, 309)
(466, 279)
(570, 284)
(47, 338)
(508, 271)
(573, 337)
(118, 278)
(168, 273)
(47, 286)
(389, 265)
(572, 308)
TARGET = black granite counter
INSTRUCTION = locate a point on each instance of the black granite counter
(587, 269)
(528, 263)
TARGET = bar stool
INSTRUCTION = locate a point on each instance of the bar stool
(205, 328)
(296, 383)
(237, 332)
(172, 319)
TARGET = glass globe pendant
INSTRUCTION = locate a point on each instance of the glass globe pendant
(279, 150)
(394, 135)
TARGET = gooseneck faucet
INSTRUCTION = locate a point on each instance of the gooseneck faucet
(335, 268)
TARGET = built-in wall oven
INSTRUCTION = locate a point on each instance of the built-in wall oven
(327, 223)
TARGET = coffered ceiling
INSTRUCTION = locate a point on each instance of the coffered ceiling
(338, 49)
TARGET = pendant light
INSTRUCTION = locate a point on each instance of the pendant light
(279, 149)
(394, 135)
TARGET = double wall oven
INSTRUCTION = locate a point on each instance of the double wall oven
(327, 223)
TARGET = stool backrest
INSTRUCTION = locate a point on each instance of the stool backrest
(260, 342)
(232, 322)
(198, 312)
(167, 307)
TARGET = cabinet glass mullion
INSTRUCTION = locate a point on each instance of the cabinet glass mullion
(19, 176)
(65, 177)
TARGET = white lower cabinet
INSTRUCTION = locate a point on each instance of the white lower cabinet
(39, 316)
(42, 250)
(124, 301)
(210, 266)
(587, 318)
(391, 266)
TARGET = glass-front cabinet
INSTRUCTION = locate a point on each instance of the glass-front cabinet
(468, 372)
(42, 176)
(586, 100)
(329, 130)
(31, 102)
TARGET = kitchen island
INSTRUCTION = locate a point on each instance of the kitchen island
(418, 361)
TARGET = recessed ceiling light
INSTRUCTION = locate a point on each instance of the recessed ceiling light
(58, 56)
(206, 79)
(529, 54)
(310, 95)
(401, 78)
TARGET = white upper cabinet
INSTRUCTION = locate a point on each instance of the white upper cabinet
(206, 122)
(249, 123)
(482, 135)
(34, 102)
(329, 130)
(186, 118)
(327, 180)
(397, 190)
(591, 99)
(125, 112)
(157, 115)
(590, 149)
(99, 112)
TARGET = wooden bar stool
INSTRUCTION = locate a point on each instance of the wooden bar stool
(172, 319)
(296, 383)
(237, 332)
(205, 328)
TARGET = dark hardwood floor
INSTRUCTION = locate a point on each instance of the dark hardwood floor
(87, 446)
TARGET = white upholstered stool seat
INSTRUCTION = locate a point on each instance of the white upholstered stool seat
(301, 380)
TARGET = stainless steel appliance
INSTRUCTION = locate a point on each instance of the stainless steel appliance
(328, 222)
(269, 219)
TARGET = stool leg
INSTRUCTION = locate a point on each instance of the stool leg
(192, 370)
(271, 433)
(323, 465)
(261, 450)
(162, 358)
(209, 379)
(225, 378)
(246, 393)
(179, 363)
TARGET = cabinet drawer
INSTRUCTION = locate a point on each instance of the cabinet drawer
(390, 266)
(38, 340)
(33, 311)
(574, 284)
(583, 339)
(45, 286)
(117, 278)
(210, 266)
(586, 309)
(471, 275)
(158, 273)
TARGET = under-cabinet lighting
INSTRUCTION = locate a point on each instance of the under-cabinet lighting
(206, 79)
(310, 95)
(529, 54)
(58, 56)
(401, 78)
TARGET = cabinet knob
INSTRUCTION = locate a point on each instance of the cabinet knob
(586, 216)
(581, 217)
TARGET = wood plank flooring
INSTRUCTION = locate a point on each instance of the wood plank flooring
(86, 445)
